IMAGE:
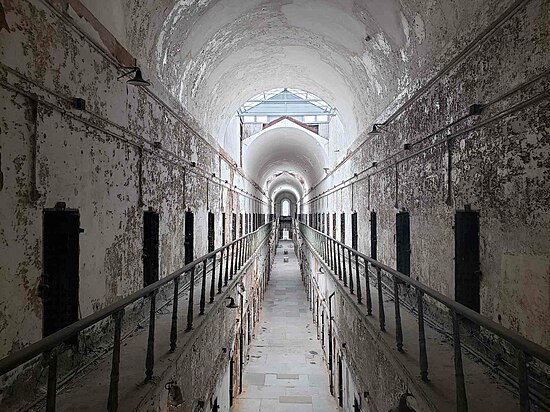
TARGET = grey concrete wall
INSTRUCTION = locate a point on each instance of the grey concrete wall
(102, 161)
(497, 163)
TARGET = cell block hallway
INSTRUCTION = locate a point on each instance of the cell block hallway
(159, 158)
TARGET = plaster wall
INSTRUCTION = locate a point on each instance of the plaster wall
(496, 162)
(102, 161)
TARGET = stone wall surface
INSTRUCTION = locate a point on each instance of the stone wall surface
(496, 162)
(103, 161)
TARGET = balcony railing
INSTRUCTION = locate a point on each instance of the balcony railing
(214, 271)
(352, 268)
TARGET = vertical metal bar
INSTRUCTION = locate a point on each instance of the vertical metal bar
(422, 338)
(367, 287)
(232, 269)
(112, 403)
(52, 381)
(523, 378)
(213, 280)
(190, 307)
(350, 272)
(150, 357)
(461, 399)
(226, 276)
(345, 272)
(398, 327)
(220, 276)
(174, 326)
(381, 314)
(202, 302)
(358, 281)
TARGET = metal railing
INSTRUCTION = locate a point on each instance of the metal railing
(344, 261)
(214, 271)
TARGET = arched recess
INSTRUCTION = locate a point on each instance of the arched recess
(282, 196)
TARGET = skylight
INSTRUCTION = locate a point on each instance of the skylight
(298, 104)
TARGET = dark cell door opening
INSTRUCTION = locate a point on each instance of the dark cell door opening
(467, 271)
(343, 227)
(334, 225)
(241, 224)
(373, 235)
(61, 229)
(354, 230)
(223, 228)
(150, 247)
(189, 236)
(211, 232)
(403, 243)
(328, 224)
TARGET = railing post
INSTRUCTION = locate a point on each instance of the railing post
(202, 302)
(523, 378)
(358, 281)
(381, 314)
(112, 403)
(367, 286)
(461, 399)
(174, 326)
(345, 274)
(150, 357)
(213, 280)
(331, 253)
(232, 268)
(226, 276)
(339, 261)
(220, 276)
(398, 327)
(350, 273)
(190, 307)
(422, 338)
(52, 381)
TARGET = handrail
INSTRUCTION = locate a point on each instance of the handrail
(525, 344)
(238, 252)
(334, 252)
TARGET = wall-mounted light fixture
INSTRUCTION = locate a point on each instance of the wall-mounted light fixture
(231, 304)
(137, 80)
(377, 128)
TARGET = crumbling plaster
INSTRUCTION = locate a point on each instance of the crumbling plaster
(103, 161)
(498, 164)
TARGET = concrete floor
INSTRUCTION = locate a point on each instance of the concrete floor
(286, 369)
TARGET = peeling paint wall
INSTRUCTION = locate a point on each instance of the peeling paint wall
(103, 161)
(497, 162)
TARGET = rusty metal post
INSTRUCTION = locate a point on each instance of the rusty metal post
(523, 378)
(52, 381)
(398, 327)
(174, 325)
(202, 302)
(381, 314)
(213, 280)
(112, 403)
(422, 338)
(190, 307)
(358, 281)
(461, 399)
(367, 286)
(150, 357)
(350, 273)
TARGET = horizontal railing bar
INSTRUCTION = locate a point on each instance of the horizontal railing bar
(519, 341)
(18, 358)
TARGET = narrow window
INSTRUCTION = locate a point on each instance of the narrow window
(61, 229)
(150, 247)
